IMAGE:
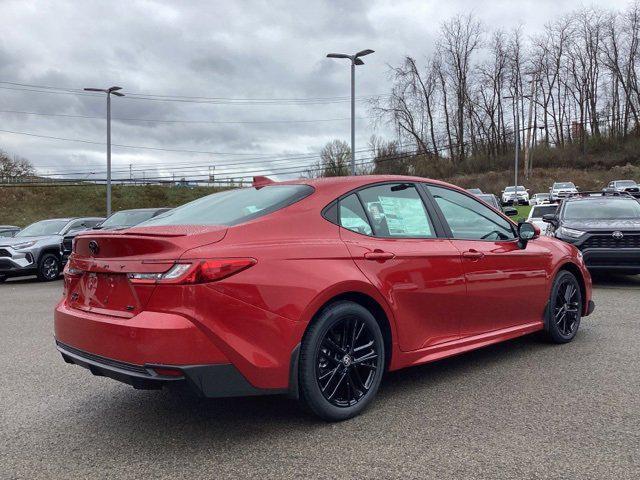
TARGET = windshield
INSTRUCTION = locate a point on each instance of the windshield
(602, 209)
(541, 195)
(626, 183)
(45, 227)
(232, 207)
(127, 218)
(511, 189)
(564, 185)
(490, 199)
(538, 212)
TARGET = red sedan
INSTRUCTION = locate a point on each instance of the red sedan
(313, 288)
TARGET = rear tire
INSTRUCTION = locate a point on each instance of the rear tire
(48, 267)
(3, 278)
(342, 360)
(564, 310)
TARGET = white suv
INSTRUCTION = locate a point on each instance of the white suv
(509, 195)
(562, 190)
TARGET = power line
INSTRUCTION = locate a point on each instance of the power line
(185, 99)
(153, 120)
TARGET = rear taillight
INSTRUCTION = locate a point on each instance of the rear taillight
(198, 271)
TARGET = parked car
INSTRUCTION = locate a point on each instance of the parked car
(560, 190)
(312, 288)
(509, 195)
(628, 186)
(540, 199)
(35, 250)
(475, 191)
(115, 221)
(605, 228)
(8, 230)
(537, 213)
(492, 200)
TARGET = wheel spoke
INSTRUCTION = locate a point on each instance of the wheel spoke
(347, 361)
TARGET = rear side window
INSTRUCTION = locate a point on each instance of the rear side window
(233, 207)
(352, 216)
(396, 210)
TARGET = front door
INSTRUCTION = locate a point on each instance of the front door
(506, 285)
(393, 241)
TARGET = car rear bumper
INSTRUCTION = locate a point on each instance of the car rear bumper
(613, 259)
(217, 380)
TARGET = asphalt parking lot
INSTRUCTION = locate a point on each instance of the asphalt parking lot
(523, 409)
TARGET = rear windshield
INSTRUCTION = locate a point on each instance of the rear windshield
(564, 185)
(232, 207)
(602, 209)
(538, 212)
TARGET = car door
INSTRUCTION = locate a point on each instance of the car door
(506, 285)
(394, 241)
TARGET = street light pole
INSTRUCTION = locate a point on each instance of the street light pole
(355, 60)
(109, 91)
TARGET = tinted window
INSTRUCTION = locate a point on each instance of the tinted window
(232, 207)
(45, 227)
(538, 212)
(396, 210)
(602, 209)
(490, 199)
(127, 218)
(352, 215)
(469, 219)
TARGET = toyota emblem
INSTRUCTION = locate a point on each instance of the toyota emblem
(93, 247)
(618, 235)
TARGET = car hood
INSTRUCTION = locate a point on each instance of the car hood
(623, 224)
(7, 242)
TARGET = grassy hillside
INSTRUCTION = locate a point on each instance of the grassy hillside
(24, 205)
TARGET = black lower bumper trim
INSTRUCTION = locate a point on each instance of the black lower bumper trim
(212, 381)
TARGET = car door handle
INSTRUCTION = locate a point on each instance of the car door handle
(379, 255)
(473, 254)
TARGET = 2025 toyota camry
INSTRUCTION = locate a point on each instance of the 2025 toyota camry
(313, 288)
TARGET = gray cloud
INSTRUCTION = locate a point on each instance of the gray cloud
(271, 49)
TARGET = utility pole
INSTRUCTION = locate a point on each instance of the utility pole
(516, 135)
(355, 60)
(109, 91)
(527, 163)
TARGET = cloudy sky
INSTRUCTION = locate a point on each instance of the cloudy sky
(242, 85)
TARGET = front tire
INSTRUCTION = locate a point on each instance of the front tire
(564, 310)
(48, 267)
(342, 359)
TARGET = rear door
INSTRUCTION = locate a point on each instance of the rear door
(394, 242)
(506, 285)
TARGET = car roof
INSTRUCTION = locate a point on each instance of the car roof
(8, 226)
(600, 197)
(150, 209)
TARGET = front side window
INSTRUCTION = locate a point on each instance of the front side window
(468, 219)
(396, 210)
(232, 207)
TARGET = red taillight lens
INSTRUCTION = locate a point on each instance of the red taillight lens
(198, 271)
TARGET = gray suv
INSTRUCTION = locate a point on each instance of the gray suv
(35, 250)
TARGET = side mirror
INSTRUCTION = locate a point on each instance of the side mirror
(510, 211)
(526, 232)
(551, 218)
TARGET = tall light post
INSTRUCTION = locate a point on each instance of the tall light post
(109, 91)
(355, 60)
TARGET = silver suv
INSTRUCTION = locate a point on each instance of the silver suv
(35, 250)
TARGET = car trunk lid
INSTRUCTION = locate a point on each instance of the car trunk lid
(98, 281)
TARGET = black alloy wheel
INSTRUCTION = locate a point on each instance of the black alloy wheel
(565, 308)
(342, 360)
(48, 267)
